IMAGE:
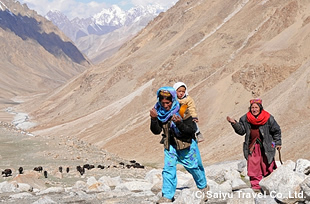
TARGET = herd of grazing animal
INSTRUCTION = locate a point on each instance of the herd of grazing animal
(80, 169)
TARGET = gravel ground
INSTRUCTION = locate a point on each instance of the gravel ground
(20, 150)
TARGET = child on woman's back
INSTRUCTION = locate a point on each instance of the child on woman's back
(185, 99)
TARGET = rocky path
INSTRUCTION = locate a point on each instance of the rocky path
(128, 182)
(21, 150)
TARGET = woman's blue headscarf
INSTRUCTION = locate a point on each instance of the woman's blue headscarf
(163, 114)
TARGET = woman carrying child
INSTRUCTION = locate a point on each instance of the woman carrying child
(185, 99)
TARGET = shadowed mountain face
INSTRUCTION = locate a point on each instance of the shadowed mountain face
(227, 52)
(29, 28)
(35, 57)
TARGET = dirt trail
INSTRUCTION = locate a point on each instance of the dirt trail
(29, 151)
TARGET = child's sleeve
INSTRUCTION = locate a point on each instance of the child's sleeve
(192, 107)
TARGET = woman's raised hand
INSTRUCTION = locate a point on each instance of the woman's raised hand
(176, 119)
(231, 120)
(153, 113)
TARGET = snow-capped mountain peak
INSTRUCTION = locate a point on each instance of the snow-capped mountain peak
(103, 22)
(113, 16)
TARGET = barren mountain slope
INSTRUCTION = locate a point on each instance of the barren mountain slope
(35, 57)
(227, 52)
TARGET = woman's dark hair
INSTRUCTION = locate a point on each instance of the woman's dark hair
(164, 94)
(259, 105)
(164, 97)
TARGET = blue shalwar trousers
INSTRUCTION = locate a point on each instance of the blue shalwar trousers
(190, 159)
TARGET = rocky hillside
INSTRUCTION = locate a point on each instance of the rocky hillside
(227, 52)
(35, 55)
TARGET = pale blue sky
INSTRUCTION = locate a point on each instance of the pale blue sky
(86, 8)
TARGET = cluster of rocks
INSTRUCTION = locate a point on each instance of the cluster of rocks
(289, 183)
(13, 128)
(33, 187)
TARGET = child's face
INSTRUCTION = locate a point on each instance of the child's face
(181, 92)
